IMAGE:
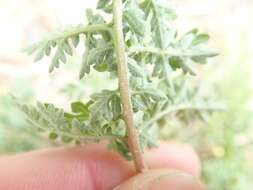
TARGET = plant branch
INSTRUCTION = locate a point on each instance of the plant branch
(133, 136)
(180, 107)
(79, 30)
(77, 136)
(161, 52)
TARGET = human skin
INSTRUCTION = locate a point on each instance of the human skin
(94, 167)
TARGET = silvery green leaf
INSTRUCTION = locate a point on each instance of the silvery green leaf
(75, 40)
(138, 104)
(186, 66)
(106, 105)
(151, 136)
(158, 24)
(186, 41)
(61, 56)
(102, 4)
(149, 92)
(96, 53)
(54, 64)
(199, 59)
(85, 67)
(135, 69)
(135, 18)
(115, 106)
(155, 94)
(108, 8)
(201, 38)
(103, 95)
(94, 18)
(201, 54)
(76, 123)
(170, 36)
(157, 70)
(167, 70)
(39, 55)
(121, 147)
(98, 108)
(102, 67)
(79, 107)
(67, 48)
(170, 14)
(48, 49)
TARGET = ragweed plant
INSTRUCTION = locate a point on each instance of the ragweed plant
(135, 42)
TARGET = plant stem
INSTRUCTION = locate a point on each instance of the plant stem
(159, 51)
(133, 136)
(80, 30)
(180, 107)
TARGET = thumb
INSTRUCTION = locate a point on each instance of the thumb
(162, 179)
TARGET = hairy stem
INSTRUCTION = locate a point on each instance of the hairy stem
(161, 52)
(133, 137)
(80, 30)
(181, 107)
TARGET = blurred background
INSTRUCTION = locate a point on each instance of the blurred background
(224, 142)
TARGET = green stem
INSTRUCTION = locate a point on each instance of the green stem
(181, 107)
(133, 136)
(80, 30)
(161, 52)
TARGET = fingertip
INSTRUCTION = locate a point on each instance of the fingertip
(87, 167)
